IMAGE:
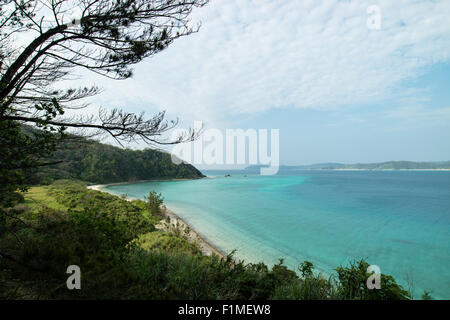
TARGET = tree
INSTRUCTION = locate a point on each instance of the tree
(106, 37)
(154, 202)
(353, 284)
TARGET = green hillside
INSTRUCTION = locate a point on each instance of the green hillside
(95, 162)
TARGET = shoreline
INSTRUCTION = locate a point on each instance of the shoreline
(98, 186)
(194, 236)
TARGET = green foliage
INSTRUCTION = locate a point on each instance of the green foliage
(21, 150)
(92, 161)
(122, 256)
(155, 201)
(353, 281)
(306, 269)
(166, 242)
(313, 287)
(94, 230)
(309, 287)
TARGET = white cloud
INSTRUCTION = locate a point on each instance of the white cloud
(251, 56)
(421, 114)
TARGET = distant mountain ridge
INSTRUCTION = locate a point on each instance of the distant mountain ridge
(389, 165)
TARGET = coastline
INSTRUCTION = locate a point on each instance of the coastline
(193, 237)
(99, 186)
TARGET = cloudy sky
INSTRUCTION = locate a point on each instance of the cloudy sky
(338, 88)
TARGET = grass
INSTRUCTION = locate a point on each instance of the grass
(123, 256)
(166, 242)
(39, 196)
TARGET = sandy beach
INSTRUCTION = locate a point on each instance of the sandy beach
(193, 236)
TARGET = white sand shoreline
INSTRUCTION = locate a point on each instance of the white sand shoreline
(193, 237)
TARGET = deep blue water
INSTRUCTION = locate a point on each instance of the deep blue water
(398, 220)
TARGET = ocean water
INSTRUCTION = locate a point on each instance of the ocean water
(398, 220)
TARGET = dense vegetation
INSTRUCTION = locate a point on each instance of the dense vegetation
(122, 255)
(95, 162)
(107, 37)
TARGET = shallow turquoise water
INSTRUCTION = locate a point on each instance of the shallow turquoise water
(398, 220)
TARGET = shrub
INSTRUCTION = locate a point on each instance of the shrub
(155, 200)
(353, 284)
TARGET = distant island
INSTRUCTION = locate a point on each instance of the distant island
(389, 165)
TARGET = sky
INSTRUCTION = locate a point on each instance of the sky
(339, 87)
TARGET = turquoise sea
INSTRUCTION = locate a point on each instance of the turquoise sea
(398, 220)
